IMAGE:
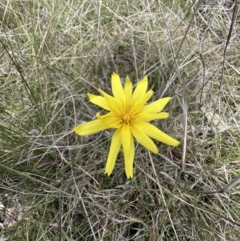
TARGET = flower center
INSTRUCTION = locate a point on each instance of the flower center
(126, 118)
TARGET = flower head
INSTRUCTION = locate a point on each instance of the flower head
(129, 115)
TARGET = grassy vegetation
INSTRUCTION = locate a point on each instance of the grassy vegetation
(53, 185)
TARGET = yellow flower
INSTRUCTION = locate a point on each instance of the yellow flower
(130, 116)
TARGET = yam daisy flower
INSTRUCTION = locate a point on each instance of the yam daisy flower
(129, 115)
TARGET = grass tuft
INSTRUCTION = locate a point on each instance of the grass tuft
(53, 184)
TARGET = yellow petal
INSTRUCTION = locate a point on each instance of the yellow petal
(143, 139)
(151, 116)
(126, 137)
(110, 120)
(129, 162)
(117, 88)
(99, 100)
(113, 152)
(113, 103)
(156, 134)
(137, 106)
(128, 150)
(140, 89)
(156, 106)
(128, 91)
(89, 128)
